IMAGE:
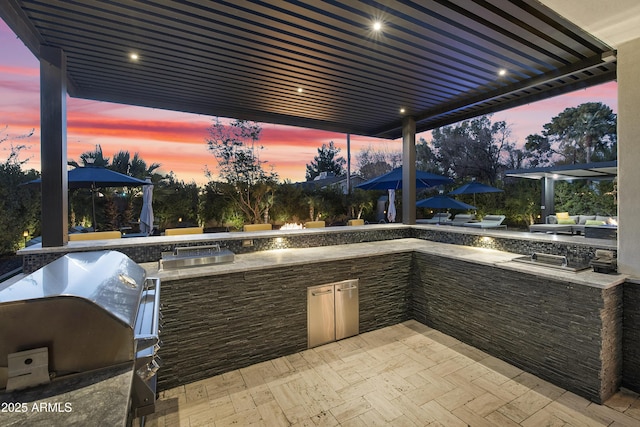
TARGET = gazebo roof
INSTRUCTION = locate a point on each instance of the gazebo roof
(594, 171)
(317, 64)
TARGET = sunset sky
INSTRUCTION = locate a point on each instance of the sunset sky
(177, 140)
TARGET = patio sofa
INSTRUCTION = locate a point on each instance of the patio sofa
(489, 221)
(572, 224)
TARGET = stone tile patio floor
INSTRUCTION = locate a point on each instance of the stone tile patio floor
(403, 375)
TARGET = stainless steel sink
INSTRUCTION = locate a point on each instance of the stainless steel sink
(195, 256)
(554, 261)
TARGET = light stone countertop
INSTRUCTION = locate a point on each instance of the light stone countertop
(280, 258)
(97, 398)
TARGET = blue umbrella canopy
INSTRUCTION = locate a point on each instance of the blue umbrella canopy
(443, 202)
(474, 187)
(393, 180)
(96, 177)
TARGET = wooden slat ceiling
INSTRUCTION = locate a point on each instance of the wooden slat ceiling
(439, 60)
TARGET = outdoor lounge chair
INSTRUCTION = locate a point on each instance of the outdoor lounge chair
(94, 235)
(183, 230)
(489, 221)
(257, 227)
(355, 222)
(462, 219)
(314, 224)
(439, 218)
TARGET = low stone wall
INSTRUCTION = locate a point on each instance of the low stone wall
(221, 323)
(149, 249)
(568, 334)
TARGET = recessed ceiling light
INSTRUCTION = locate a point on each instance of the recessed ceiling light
(133, 56)
(299, 90)
(502, 72)
(377, 26)
(402, 110)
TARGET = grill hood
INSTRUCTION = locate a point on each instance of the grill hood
(82, 307)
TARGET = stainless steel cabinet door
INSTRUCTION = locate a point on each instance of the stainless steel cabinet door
(320, 315)
(347, 309)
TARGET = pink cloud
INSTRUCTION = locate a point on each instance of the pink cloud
(177, 140)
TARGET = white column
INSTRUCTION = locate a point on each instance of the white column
(408, 170)
(629, 158)
(53, 146)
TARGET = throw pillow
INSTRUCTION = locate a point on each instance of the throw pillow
(594, 222)
(562, 215)
(566, 221)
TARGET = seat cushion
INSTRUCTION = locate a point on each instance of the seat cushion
(566, 221)
(183, 230)
(584, 218)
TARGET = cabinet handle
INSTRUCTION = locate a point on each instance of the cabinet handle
(315, 294)
(346, 289)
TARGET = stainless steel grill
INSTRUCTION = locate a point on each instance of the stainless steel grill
(87, 311)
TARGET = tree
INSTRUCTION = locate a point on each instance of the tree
(135, 167)
(240, 167)
(372, 162)
(176, 203)
(579, 134)
(472, 149)
(426, 159)
(19, 204)
(94, 158)
(327, 160)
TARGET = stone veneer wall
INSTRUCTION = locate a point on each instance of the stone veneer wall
(631, 337)
(150, 252)
(575, 252)
(566, 333)
(216, 324)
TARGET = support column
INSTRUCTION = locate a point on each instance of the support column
(53, 146)
(628, 158)
(348, 163)
(408, 170)
(548, 199)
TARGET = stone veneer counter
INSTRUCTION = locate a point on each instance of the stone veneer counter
(560, 325)
(279, 258)
(149, 249)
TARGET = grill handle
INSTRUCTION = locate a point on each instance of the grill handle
(150, 337)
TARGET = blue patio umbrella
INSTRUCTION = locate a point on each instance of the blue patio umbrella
(96, 177)
(474, 188)
(441, 201)
(393, 180)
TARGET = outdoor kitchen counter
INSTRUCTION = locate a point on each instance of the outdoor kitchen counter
(98, 398)
(301, 256)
